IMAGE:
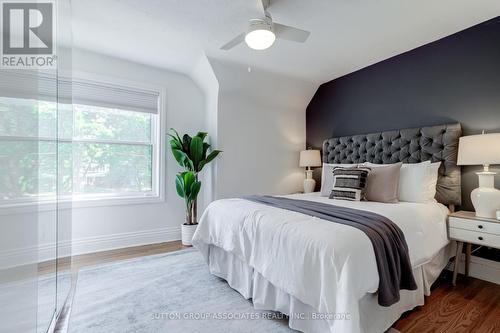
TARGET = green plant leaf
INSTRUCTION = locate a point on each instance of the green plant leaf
(212, 155)
(196, 151)
(195, 189)
(189, 179)
(186, 142)
(179, 156)
(206, 146)
(189, 164)
(183, 159)
(175, 144)
(209, 159)
(179, 185)
(176, 135)
(202, 135)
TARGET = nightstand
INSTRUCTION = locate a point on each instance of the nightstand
(465, 227)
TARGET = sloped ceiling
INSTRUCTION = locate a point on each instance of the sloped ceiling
(346, 35)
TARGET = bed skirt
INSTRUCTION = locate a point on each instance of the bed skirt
(302, 317)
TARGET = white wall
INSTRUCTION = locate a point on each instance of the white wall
(261, 127)
(98, 228)
(203, 74)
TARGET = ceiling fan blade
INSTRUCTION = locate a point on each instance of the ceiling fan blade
(233, 42)
(290, 33)
(263, 4)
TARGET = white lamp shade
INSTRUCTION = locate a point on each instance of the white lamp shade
(479, 149)
(310, 158)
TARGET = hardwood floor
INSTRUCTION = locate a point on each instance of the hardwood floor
(472, 306)
(91, 259)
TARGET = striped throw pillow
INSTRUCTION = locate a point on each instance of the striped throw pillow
(349, 183)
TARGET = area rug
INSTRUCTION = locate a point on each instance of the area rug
(172, 293)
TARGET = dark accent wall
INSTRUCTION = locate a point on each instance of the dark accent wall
(455, 79)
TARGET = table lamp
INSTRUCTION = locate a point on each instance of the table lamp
(482, 149)
(308, 159)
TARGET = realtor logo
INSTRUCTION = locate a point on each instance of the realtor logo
(28, 32)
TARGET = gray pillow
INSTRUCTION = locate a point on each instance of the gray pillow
(349, 183)
(383, 182)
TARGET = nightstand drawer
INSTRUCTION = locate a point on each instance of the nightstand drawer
(479, 238)
(475, 225)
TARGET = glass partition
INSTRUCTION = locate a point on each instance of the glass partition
(35, 225)
(65, 154)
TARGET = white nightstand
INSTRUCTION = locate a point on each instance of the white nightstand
(465, 227)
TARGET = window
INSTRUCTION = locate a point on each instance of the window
(113, 151)
(28, 158)
(106, 141)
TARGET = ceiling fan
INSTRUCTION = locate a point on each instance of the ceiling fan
(262, 32)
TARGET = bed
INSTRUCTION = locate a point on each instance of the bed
(321, 274)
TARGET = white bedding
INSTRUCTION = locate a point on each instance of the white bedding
(325, 265)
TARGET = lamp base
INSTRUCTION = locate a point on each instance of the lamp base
(309, 182)
(309, 185)
(486, 198)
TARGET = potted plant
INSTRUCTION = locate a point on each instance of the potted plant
(188, 188)
(192, 153)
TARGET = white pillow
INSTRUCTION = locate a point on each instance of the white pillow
(433, 179)
(417, 182)
(327, 177)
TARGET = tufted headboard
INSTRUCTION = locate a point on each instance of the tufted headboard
(413, 145)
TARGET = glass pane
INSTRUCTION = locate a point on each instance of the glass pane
(111, 124)
(65, 169)
(65, 158)
(27, 169)
(27, 118)
(111, 168)
(65, 121)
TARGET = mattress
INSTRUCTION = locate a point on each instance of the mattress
(328, 267)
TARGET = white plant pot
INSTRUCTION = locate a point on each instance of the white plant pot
(187, 232)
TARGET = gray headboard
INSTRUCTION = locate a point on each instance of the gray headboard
(435, 143)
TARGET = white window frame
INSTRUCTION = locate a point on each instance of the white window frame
(158, 132)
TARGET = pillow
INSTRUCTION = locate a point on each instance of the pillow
(433, 179)
(417, 182)
(327, 177)
(349, 183)
(383, 182)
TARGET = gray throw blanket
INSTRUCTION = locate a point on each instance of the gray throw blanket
(389, 244)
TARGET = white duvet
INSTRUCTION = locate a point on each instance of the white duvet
(326, 265)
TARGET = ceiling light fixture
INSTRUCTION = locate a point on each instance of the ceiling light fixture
(260, 35)
(262, 32)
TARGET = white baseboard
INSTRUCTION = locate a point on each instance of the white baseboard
(44, 252)
(127, 239)
(33, 254)
(480, 268)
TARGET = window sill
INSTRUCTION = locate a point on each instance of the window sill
(41, 206)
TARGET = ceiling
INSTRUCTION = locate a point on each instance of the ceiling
(346, 35)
